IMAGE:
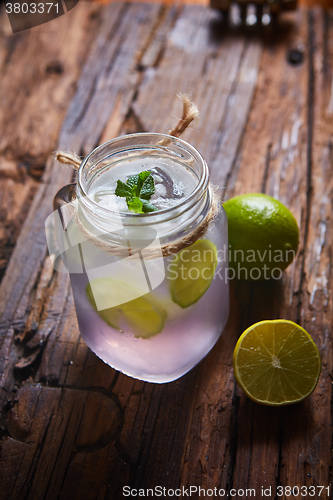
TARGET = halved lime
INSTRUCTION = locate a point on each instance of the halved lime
(191, 272)
(144, 315)
(276, 362)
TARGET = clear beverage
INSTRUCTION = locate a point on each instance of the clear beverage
(134, 310)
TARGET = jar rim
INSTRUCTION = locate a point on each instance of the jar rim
(188, 201)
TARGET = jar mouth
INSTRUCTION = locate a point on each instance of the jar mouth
(140, 141)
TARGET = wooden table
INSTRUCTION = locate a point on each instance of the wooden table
(71, 426)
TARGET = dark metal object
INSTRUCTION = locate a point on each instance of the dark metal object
(247, 12)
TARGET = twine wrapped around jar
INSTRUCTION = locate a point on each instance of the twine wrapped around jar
(155, 252)
(190, 112)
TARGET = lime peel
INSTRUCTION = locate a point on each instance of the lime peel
(263, 235)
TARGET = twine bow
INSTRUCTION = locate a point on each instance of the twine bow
(190, 112)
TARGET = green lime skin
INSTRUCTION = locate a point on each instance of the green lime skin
(263, 233)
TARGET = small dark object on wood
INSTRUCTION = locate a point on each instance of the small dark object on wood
(54, 68)
(295, 56)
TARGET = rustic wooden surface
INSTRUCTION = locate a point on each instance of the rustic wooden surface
(71, 427)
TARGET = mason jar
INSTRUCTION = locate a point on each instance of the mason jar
(150, 289)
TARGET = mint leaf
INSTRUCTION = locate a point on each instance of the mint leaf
(122, 189)
(138, 190)
(135, 205)
(142, 184)
(147, 207)
(132, 182)
(147, 188)
(139, 206)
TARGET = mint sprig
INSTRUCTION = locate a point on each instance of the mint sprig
(137, 190)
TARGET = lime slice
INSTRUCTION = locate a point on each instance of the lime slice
(112, 316)
(276, 362)
(143, 315)
(191, 272)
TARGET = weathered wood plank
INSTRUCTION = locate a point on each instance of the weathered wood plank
(72, 427)
(312, 455)
(273, 160)
(278, 447)
(38, 463)
(38, 76)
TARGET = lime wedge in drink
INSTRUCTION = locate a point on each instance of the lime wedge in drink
(191, 272)
(276, 362)
(143, 315)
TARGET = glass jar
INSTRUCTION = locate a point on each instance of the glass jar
(150, 289)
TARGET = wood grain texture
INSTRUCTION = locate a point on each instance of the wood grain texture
(38, 78)
(71, 426)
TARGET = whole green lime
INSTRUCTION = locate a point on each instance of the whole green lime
(263, 236)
